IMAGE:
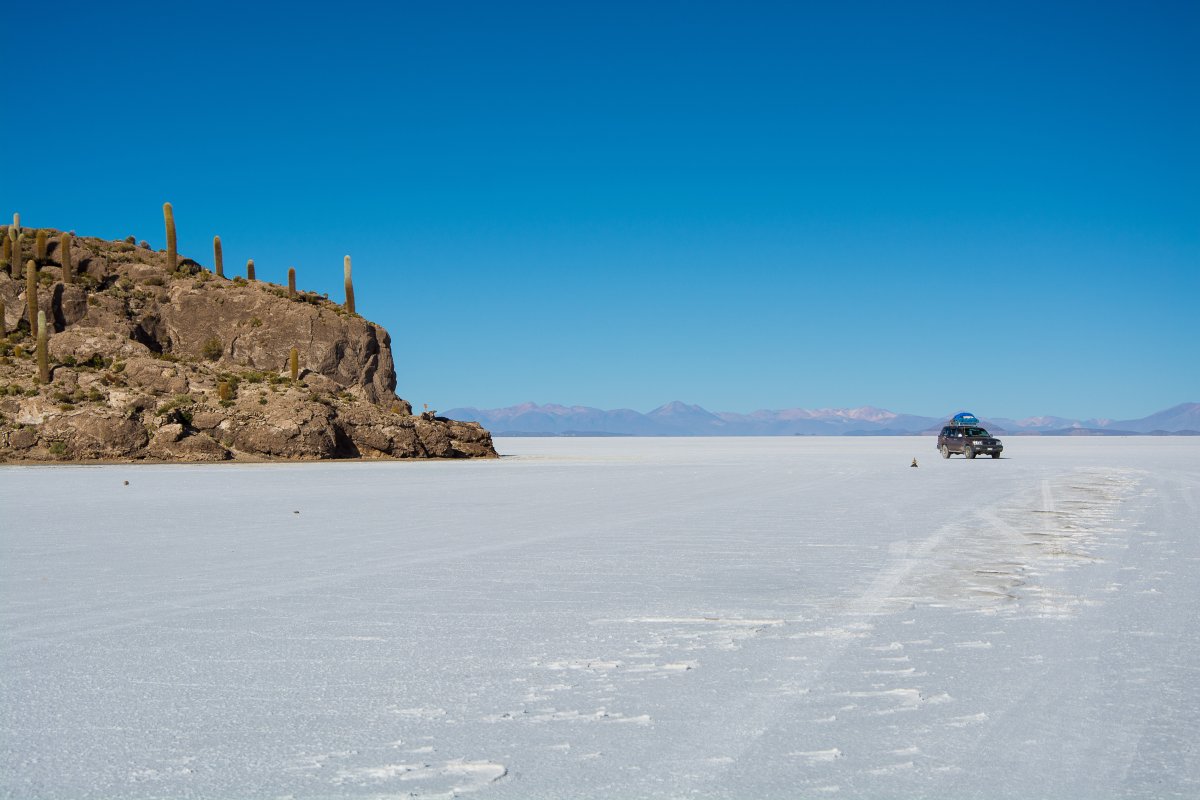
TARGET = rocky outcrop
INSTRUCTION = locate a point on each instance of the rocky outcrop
(186, 366)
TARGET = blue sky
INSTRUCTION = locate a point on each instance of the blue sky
(923, 207)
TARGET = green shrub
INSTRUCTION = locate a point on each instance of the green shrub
(212, 349)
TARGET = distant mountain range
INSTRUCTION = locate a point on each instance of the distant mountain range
(681, 419)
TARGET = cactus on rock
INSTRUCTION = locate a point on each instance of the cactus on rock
(349, 286)
(6, 254)
(31, 294)
(43, 350)
(169, 219)
(250, 270)
(218, 257)
(291, 281)
(39, 246)
(3, 324)
(15, 258)
(64, 258)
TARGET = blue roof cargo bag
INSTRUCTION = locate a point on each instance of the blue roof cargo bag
(964, 419)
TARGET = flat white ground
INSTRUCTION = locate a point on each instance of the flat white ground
(610, 618)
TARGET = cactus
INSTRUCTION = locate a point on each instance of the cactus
(43, 352)
(224, 392)
(39, 246)
(6, 254)
(250, 270)
(14, 258)
(3, 325)
(169, 219)
(14, 233)
(294, 364)
(349, 286)
(291, 281)
(218, 257)
(64, 258)
(31, 294)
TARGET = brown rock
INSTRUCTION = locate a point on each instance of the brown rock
(138, 354)
(84, 344)
(96, 434)
(434, 438)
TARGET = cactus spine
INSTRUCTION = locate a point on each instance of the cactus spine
(294, 364)
(218, 257)
(250, 270)
(39, 246)
(43, 351)
(64, 257)
(31, 298)
(291, 281)
(169, 219)
(349, 286)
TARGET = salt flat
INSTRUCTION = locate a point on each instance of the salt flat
(720, 618)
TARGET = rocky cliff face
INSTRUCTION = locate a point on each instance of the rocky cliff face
(184, 365)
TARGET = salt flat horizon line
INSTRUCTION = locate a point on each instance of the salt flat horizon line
(833, 410)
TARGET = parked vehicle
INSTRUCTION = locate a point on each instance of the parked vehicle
(963, 434)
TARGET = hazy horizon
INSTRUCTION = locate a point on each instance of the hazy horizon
(745, 410)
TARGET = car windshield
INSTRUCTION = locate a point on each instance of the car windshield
(975, 432)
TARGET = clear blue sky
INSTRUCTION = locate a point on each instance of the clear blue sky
(743, 205)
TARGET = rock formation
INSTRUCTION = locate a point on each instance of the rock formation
(148, 363)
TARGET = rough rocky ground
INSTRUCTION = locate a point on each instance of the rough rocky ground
(138, 356)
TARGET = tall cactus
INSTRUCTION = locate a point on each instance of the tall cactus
(169, 219)
(14, 247)
(31, 294)
(250, 270)
(64, 258)
(6, 254)
(43, 350)
(294, 363)
(17, 258)
(3, 323)
(39, 246)
(349, 285)
(291, 281)
(218, 257)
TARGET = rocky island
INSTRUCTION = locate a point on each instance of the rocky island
(110, 350)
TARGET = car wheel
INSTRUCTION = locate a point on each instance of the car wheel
(945, 451)
(969, 452)
(995, 455)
